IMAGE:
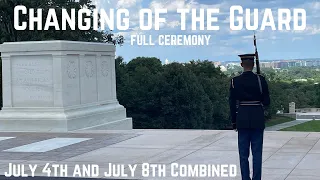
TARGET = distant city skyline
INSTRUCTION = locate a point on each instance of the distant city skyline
(275, 64)
(266, 60)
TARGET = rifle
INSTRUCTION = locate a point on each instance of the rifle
(256, 53)
(265, 109)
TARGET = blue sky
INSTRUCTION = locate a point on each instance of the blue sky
(225, 44)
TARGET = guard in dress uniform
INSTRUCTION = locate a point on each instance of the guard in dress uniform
(249, 95)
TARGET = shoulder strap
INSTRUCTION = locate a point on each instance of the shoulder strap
(259, 83)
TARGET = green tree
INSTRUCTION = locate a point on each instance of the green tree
(138, 89)
(216, 86)
(169, 96)
(121, 73)
(184, 101)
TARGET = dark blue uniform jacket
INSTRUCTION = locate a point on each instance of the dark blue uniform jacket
(245, 89)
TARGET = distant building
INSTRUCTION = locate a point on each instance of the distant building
(298, 64)
(217, 64)
(232, 65)
(300, 80)
(304, 63)
(291, 64)
(309, 63)
(166, 62)
(276, 64)
(223, 69)
(267, 64)
(283, 64)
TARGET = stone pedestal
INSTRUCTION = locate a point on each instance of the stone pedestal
(292, 107)
(60, 86)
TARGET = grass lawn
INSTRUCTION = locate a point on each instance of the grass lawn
(310, 126)
(278, 120)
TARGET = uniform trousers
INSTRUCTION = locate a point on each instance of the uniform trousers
(253, 138)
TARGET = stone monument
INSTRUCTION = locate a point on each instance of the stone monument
(60, 86)
(292, 108)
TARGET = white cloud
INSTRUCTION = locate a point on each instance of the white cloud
(173, 5)
(296, 38)
(173, 24)
(313, 29)
(247, 37)
(227, 50)
(310, 30)
(235, 32)
(315, 5)
(127, 3)
(104, 4)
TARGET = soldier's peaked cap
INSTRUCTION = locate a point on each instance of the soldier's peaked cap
(250, 57)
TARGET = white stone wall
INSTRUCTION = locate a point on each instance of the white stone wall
(59, 76)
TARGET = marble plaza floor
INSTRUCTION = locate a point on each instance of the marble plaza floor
(287, 155)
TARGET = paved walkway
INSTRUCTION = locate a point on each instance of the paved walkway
(284, 125)
(287, 155)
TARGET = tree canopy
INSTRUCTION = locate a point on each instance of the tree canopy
(194, 95)
(174, 96)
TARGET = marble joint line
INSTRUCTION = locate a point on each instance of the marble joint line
(47, 145)
(5, 138)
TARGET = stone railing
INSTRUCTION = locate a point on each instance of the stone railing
(307, 110)
(308, 116)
